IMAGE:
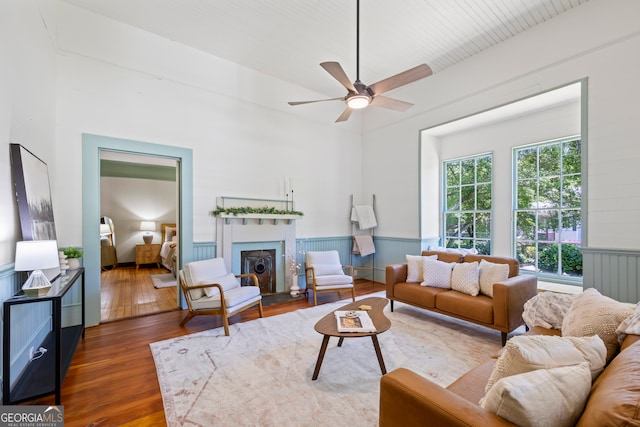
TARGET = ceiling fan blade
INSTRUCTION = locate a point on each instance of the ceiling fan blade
(336, 71)
(319, 100)
(411, 75)
(344, 116)
(391, 103)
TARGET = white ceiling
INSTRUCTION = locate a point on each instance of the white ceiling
(287, 39)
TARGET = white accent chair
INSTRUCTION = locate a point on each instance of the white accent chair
(209, 289)
(324, 273)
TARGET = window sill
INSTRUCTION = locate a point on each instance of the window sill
(558, 287)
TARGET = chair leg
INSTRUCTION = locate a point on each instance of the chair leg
(260, 309)
(353, 293)
(188, 317)
(225, 322)
(315, 301)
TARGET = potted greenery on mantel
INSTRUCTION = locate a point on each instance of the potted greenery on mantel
(248, 212)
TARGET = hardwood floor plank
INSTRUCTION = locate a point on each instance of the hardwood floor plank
(112, 379)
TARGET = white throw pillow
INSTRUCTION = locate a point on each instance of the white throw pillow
(547, 309)
(228, 281)
(436, 273)
(592, 313)
(414, 267)
(629, 326)
(527, 353)
(327, 269)
(546, 397)
(490, 273)
(464, 278)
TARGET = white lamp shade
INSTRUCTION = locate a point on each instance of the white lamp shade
(36, 255)
(147, 226)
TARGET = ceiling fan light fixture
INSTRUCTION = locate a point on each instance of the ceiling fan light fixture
(357, 102)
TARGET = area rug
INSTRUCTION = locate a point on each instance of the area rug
(163, 280)
(261, 374)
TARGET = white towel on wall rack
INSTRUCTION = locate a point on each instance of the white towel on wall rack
(364, 216)
(363, 244)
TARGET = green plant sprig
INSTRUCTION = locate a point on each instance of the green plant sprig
(72, 252)
(244, 210)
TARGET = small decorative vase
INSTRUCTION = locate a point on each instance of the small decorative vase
(73, 263)
(294, 291)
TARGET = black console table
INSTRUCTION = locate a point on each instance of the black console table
(44, 376)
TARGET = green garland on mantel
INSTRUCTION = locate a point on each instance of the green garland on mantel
(245, 210)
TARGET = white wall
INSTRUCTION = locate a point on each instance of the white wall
(598, 40)
(127, 201)
(118, 81)
(27, 102)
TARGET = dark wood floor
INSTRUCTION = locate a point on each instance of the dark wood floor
(112, 378)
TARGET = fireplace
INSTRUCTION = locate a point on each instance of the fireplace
(262, 263)
(258, 232)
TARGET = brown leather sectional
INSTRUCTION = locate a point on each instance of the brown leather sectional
(408, 399)
(503, 312)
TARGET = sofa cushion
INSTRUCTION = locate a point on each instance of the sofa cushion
(202, 272)
(414, 267)
(491, 273)
(547, 309)
(514, 266)
(327, 269)
(478, 309)
(228, 282)
(436, 273)
(416, 294)
(629, 326)
(615, 396)
(527, 353)
(464, 278)
(591, 313)
(541, 398)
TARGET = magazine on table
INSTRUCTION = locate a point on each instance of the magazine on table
(354, 321)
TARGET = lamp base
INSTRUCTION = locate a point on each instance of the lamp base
(148, 238)
(36, 285)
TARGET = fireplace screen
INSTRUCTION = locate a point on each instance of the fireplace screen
(262, 263)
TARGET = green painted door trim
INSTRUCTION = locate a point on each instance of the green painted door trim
(92, 145)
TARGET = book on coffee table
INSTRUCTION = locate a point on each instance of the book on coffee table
(354, 321)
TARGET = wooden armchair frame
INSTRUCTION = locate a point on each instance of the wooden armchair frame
(222, 310)
(311, 283)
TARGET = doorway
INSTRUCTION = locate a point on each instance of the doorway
(92, 145)
(137, 192)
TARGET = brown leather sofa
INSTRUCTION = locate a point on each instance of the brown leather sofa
(503, 312)
(408, 399)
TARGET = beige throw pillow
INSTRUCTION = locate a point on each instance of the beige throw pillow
(527, 353)
(591, 313)
(414, 267)
(541, 398)
(490, 273)
(436, 273)
(464, 278)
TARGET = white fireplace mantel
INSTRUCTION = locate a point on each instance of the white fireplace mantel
(289, 218)
(255, 228)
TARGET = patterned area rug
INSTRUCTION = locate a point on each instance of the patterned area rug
(261, 374)
(163, 280)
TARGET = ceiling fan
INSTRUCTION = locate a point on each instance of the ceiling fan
(360, 95)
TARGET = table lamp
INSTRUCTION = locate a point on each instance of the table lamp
(35, 256)
(147, 226)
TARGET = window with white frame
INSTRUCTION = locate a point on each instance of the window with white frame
(547, 207)
(468, 202)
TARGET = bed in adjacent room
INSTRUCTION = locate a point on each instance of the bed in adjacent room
(169, 250)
